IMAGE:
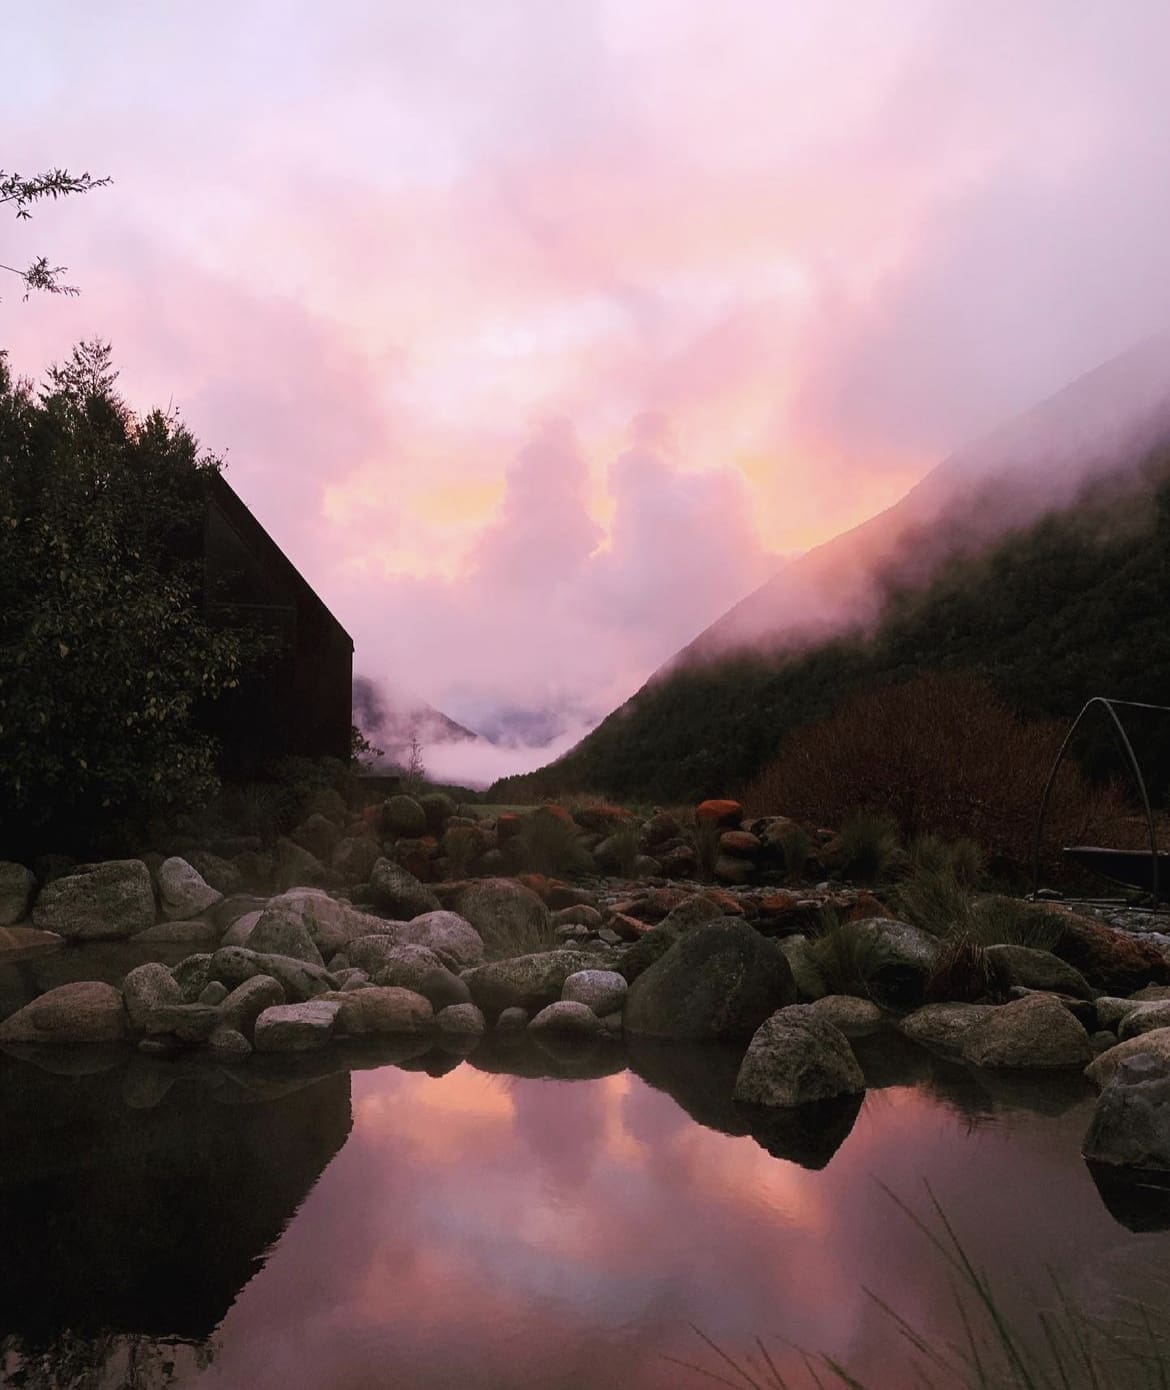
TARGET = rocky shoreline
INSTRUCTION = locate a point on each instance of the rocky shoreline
(578, 966)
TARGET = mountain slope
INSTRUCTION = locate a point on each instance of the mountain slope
(1071, 601)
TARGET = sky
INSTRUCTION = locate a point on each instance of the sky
(538, 334)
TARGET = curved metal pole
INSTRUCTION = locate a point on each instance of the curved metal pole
(1127, 748)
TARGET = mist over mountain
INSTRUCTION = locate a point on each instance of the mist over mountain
(1032, 556)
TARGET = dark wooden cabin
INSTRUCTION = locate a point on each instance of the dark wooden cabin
(300, 701)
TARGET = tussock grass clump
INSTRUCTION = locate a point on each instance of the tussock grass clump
(510, 934)
(1000, 921)
(964, 973)
(796, 849)
(845, 955)
(704, 836)
(868, 848)
(939, 902)
(625, 848)
(550, 844)
(1045, 1341)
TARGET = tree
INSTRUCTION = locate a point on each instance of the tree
(105, 654)
(20, 193)
(416, 772)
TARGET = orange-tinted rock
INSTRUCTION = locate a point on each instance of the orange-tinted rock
(777, 903)
(536, 883)
(661, 826)
(653, 905)
(1114, 961)
(740, 843)
(728, 813)
(865, 905)
(555, 812)
(628, 928)
(565, 895)
(728, 904)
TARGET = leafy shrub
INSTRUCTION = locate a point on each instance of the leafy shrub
(944, 756)
(868, 848)
(549, 844)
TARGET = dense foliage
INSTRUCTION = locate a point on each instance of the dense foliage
(105, 655)
(1051, 615)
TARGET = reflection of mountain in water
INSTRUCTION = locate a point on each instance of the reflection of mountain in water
(125, 1216)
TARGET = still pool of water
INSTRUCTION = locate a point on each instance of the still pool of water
(434, 1222)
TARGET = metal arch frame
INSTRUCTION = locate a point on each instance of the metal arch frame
(1111, 707)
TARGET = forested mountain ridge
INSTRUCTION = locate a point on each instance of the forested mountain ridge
(1067, 603)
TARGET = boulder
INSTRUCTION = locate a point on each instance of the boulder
(856, 1018)
(655, 943)
(1115, 962)
(396, 890)
(193, 975)
(1020, 965)
(1111, 1010)
(104, 901)
(182, 892)
(725, 813)
(227, 1042)
(241, 929)
(461, 1021)
(902, 958)
(297, 868)
(660, 828)
(284, 925)
(740, 844)
(23, 943)
(438, 808)
(382, 1009)
(300, 980)
(805, 971)
(1036, 1032)
(1144, 1018)
(402, 816)
(514, 1020)
(389, 962)
(729, 869)
(213, 993)
(296, 1027)
(1130, 1127)
(526, 982)
(795, 1058)
(603, 991)
(943, 1026)
(244, 1005)
(190, 1023)
(507, 916)
(581, 916)
(216, 871)
(718, 981)
(199, 932)
(88, 1011)
(146, 988)
(442, 987)
(354, 858)
(317, 834)
(1101, 1069)
(16, 890)
(449, 935)
(228, 911)
(567, 1017)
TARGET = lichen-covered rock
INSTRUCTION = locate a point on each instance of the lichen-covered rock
(396, 890)
(241, 929)
(603, 991)
(182, 892)
(526, 982)
(146, 988)
(513, 1020)
(213, 993)
(244, 1005)
(200, 932)
(452, 938)
(388, 961)
(568, 1018)
(190, 1023)
(283, 929)
(297, 868)
(17, 886)
(1130, 1127)
(88, 1011)
(795, 1058)
(382, 1009)
(902, 958)
(1021, 965)
(296, 1027)
(461, 1021)
(300, 980)
(718, 981)
(193, 975)
(507, 916)
(1101, 1069)
(402, 816)
(216, 871)
(1145, 1018)
(1115, 962)
(806, 974)
(96, 902)
(354, 858)
(317, 834)
(855, 1018)
(1036, 1032)
(654, 944)
(943, 1026)
(227, 1042)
